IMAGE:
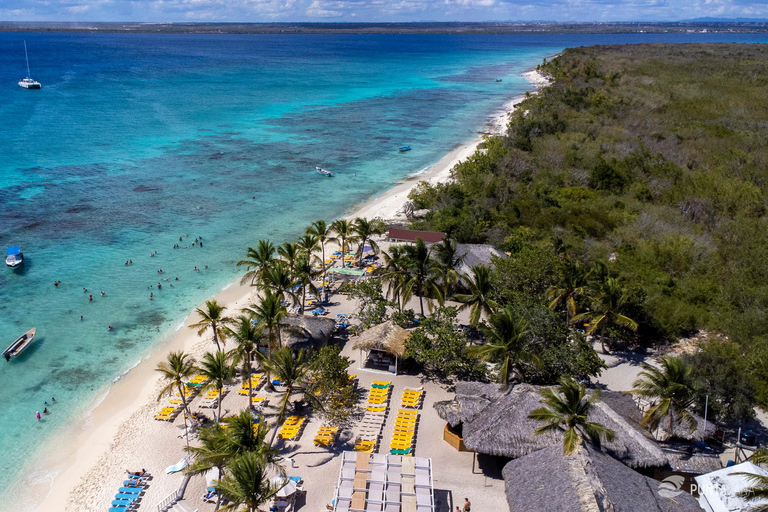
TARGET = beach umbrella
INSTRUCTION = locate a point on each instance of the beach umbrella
(288, 487)
(212, 475)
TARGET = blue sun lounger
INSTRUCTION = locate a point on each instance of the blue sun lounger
(131, 483)
(131, 490)
(126, 497)
(117, 509)
(121, 503)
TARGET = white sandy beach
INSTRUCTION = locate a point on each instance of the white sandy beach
(121, 434)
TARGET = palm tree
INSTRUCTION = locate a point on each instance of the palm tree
(574, 279)
(211, 317)
(247, 336)
(278, 278)
(247, 483)
(322, 233)
(422, 270)
(176, 370)
(671, 386)
(244, 435)
(567, 410)
(506, 335)
(289, 251)
(479, 296)
(605, 310)
(447, 258)
(307, 245)
(256, 260)
(303, 273)
(211, 452)
(268, 311)
(759, 490)
(395, 274)
(344, 235)
(364, 231)
(292, 372)
(217, 369)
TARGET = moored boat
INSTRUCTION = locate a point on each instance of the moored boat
(14, 257)
(403, 149)
(324, 172)
(18, 346)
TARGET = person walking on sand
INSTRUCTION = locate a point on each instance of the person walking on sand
(467, 505)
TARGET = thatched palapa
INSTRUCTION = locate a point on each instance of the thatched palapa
(627, 406)
(588, 480)
(387, 337)
(497, 423)
(301, 331)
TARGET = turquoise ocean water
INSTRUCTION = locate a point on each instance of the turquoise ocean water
(137, 139)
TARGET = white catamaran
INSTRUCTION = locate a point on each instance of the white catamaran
(28, 83)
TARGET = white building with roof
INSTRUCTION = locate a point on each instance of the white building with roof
(718, 490)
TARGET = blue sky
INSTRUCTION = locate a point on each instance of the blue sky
(375, 10)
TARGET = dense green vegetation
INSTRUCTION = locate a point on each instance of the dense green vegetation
(646, 165)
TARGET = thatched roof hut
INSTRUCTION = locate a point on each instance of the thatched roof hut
(497, 423)
(302, 331)
(627, 406)
(587, 480)
(387, 337)
(476, 254)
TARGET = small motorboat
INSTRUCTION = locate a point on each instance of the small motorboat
(498, 80)
(403, 149)
(14, 257)
(18, 346)
(324, 172)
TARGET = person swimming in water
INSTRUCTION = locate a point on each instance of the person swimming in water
(109, 328)
(45, 411)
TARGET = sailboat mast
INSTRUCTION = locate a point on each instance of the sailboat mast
(27, 57)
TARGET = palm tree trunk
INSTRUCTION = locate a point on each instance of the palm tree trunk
(215, 337)
(186, 412)
(218, 418)
(322, 246)
(421, 299)
(602, 339)
(250, 385)
(303, 297)
(218, 494)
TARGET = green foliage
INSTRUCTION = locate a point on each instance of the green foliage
(718, 372)
(373, 305)
(330, 383)
(566, 409)
(438, 345)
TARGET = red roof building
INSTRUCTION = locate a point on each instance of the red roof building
(408, 235)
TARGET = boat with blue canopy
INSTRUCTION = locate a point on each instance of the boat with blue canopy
(14, 257)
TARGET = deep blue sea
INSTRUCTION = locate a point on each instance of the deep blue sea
(137, 139)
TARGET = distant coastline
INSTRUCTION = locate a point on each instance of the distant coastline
(507, 27)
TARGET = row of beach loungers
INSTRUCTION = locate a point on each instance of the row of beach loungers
(292, 428)
(255, 382)
(406, 422)
(128, 496)
(173, 407)
(384, 483)
(374, 418)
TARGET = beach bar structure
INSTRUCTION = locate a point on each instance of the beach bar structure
(383, 344)
(408, 235)
(376, 482)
